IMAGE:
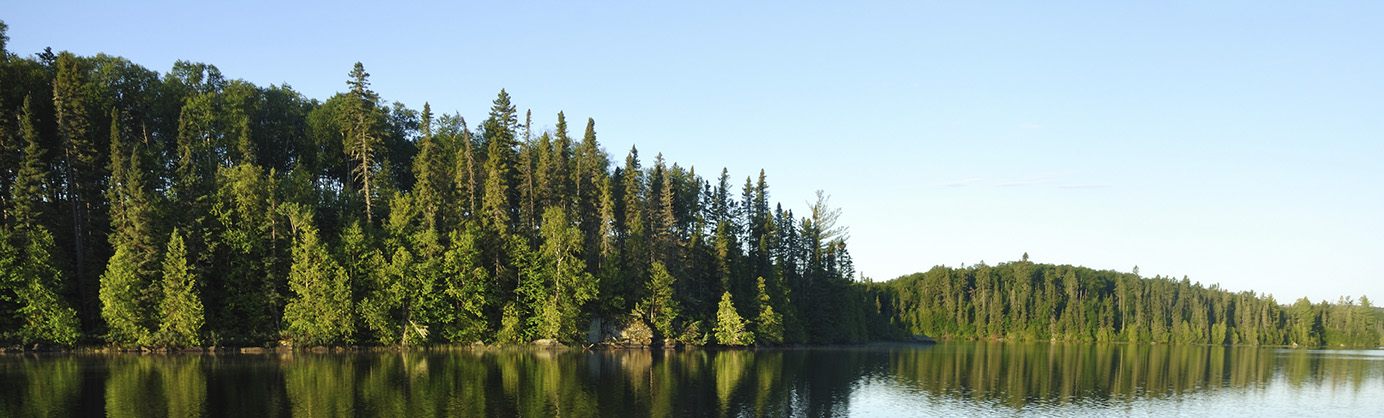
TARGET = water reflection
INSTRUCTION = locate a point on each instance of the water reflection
(947, 379)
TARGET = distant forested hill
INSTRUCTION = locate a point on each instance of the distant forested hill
(1026, 301)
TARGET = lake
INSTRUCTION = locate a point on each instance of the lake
(948, 379)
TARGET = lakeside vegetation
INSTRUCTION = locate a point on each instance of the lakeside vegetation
(1027, 301)
(188, 209)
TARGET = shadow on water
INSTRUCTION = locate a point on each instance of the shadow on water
(970, 378)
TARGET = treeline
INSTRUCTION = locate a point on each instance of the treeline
(1026, 301)
(186, 209)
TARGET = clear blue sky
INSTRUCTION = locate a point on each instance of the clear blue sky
(1237, 143)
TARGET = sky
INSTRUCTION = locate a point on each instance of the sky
(1234, 143)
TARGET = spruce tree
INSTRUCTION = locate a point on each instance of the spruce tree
(730, 328)
(127, 290)
(361, 137)
(769, 324)
(180, 309)
(662, 305)
(27, 192)
(429, 175)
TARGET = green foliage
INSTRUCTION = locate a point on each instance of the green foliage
(45, 317)
(125, 297)
(1026, 301)
(468, 290)
(730, 329)
(560, 287)
(769, 324)
(663, 308)
(320, 311)
(352, 219)
(180, 310)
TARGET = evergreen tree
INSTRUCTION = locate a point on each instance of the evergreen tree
(467, 177)
(242, 299)
(769, 324)
(361, 137)
(180, 309)
(730, 329)
(429, 173)
(128, 291)
(28, 189)
(80, 162)
(500, 195)
(662, 305)
(320, 312)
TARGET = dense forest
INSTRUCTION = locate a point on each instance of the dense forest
(1022, 300)
(191, 209)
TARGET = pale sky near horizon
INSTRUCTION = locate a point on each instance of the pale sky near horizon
(1231, 142)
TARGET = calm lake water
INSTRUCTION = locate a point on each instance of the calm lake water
(949, 379)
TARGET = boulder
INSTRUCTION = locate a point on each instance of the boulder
(547, 343)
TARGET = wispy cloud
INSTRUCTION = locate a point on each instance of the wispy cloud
(1027, 182)
(1083, 186)
(962, 182)
(1030, 126)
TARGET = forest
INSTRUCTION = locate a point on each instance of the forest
(1025, 301)
(188, 209)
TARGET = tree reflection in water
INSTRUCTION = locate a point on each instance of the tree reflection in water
(990, 376)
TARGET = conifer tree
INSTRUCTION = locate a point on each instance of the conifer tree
(558, 171)
(128, 291)
(499, 200)
(361, 136)
(769, 324)
(27, 191)
(467, 175)
(80, 162)
(429, 175)
(730, 328)
(320, 311)
(180, 309)
(662, 305)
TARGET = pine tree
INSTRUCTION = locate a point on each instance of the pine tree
(560, 187)
(180, 309)
(361, 136)
(730, 328)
